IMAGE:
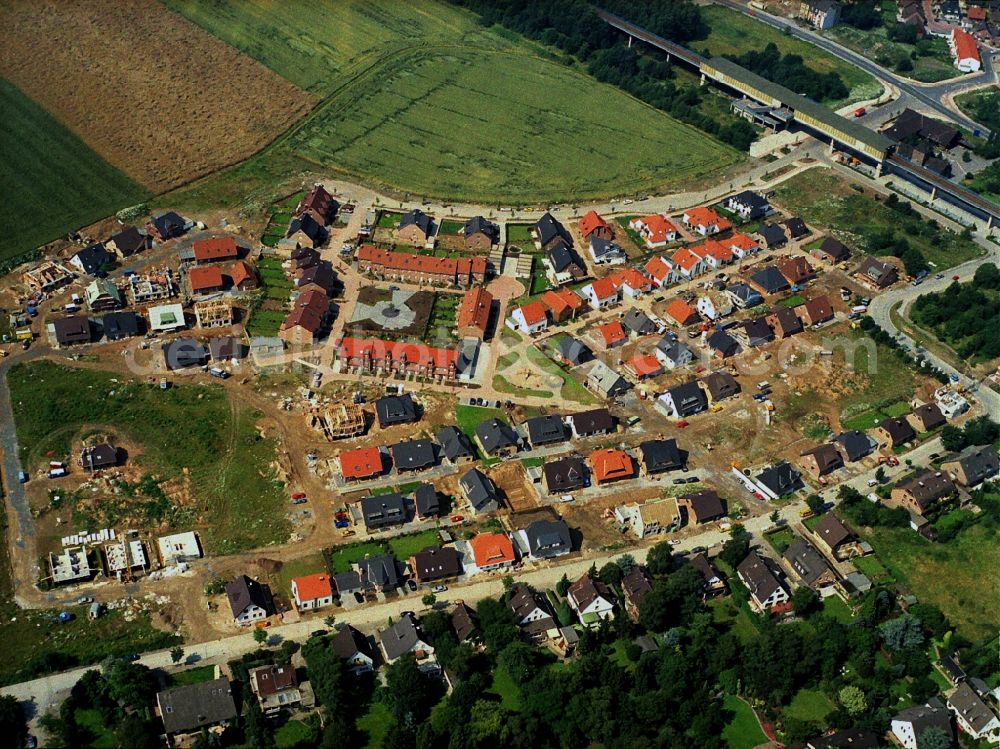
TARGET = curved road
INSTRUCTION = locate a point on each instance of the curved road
(928, 96)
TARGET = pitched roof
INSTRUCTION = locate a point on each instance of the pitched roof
(406, 261)
(930, 416)
(685, 258)
(311, 587)
(681, 311)
(383, 510)
(92, 257)
(129, 240)
(565, 474)
(638, 322)
(478, 488)
(72, 329)
(978, 462)
(240, 272)
(425, 497)
(308, 311)
(835, 249)
(573, 351)
(418, 355)
(827, 457)
(399, 638)
(544, 430)
(644, 365)
(545, 536)
(610, 464)
(417, 218)
(590, 222)
(524, 601)
(494, 435)
(605, 288)
(595, 420)
(819, 309)
(635, 585)
(244, 592)
(586, 591)
(395, 409)
(660, 455)
(658, 268)
(533, 312)
(927, 487)
(721, 385)
(120, 324)
(561, 299)
(209, 277)
(856, 444)
(970, 706)
(349, 641)
(772, 234)
(898, 429)
(492, 548)
(380, 570)
(216, 248)
(612, 333)
(187, 708)
(831, 530)
(795, 269)
(413, 454)
(796, 227)
(602, 247)
(723, 343)
(455, 443)
(436, 562)
(965, 45)
(808, 563)
(547, 229)
(780, 478)
(770, 279)
(657, 227)
(742, 242)
(361, 462)
(702, 216)
(479, 225)
(706, 505)
(758, 577)
(604, 379)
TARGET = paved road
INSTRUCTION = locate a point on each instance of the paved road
(930, 97)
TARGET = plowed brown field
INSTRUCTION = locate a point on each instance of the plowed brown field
(152, 93)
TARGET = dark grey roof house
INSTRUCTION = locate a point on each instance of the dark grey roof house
(548, 538)
(638, 322)
(71, 331)
(100, 456)
(744, 296)
(573, 351)
(975, 464)
(91, 259)
(768, 280)
(181, 353)
(496, 437)
(772, 235)
(593, 422)
(119, 325)
(383, 511)
(400, 638)
(721, 385)
(658, 456)
(417, 218)
(750, 205)
(565, 475)
(545, 430)
(426, 500)
(249, 599)
(190, 708)
(414, 455)
(395, 409)
(855, 444)
(479, 225)
(780, 478)
(547, 231)
(480, 491)
(684, 400)
(723, 344)
(455, 444)
(381, 571)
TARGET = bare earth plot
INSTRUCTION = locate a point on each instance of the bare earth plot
(152, 93)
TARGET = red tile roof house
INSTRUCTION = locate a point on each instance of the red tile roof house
(205, 280)
(654, 229)
(816, 310)
(610, 335)
(796, 270)
(243, 276)
(602, 293)
(529, 319)
(563, 304)
(632, 283)
(319, 203)
(474, 313)
(642, 366)
(213, 250)
(715, 254)
(421, 269)
(688, 263)
(312, 591)
(681, 312)
(492, 551)
(363, 463)
(593, 225)
(965, 51)
(704, 221)
(377, 356)
(661, 271)
(742, 245)
(611, 465)
(306, 319)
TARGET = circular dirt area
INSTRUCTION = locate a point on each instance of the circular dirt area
(505, 288)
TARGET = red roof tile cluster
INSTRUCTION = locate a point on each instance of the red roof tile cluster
(965, 45)
(217, 248)
(605, 288)
(718, 251)
(361, 463)
(461, 267)
(201, 279)
(742, 242)
(591, 222)
(655, 227)
(474, 311)
(411, 353)
(561, 299)
(611, 464)
(686, 258)
(704, 216)
(613, 333)
(633, 279)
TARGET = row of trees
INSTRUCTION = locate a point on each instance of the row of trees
(966, 316)
(574, 27)
(792, 72)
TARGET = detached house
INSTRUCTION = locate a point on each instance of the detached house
(166, 225)
(563, 265)
(778, 480)
(784, 322)
(831, 534)
(384, 511)
(877, 274)
(926, 417)
(974, 716)
(742, 244)
(743, 296)
(312, 591)
(769, 280)
(701, 507)
(748, 204)
(683, 400)
(610, 335)
(91, 259)
(362, 463)
(635, 586)
(832, 250)
(908, 725)
(681, 312)
(401, 638)
(720, 385)
(391, 410)
(855, 444)
(687, 263)
(592, 601)
(492, 551)
(672, 354)
(895, 432)
(591, 423)
(796, 269)
(480, 491)
(638, 322)
(563, 304)
(545, 430)
(480, 234)
(127, 242)
(972, 466)
(704, 221)
(456, 445)
(592, 225)
(649, 518)
(249, 600)
(772, 236)
(609, 465)
(605, 252)
(192, 708)
(602, 293)
(809, 565)
(352, 646)
(496, 438)
(532, 612)
(564, 475)
(547, 231)
(821, 460)
(545, 539)
(529, 319)
(815, 311)
(655, 230)
(661, 271)
(215, 249)
(659, 456)
(605, 381)
(435, 563)
(572, 352)
(722, 344)
(416, 228)
(761, 580)
(923, 490)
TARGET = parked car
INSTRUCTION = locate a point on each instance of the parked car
(318, 633)
(299, 495)
(412, 585)
(299, 501)
(456, 518)
(439, 589)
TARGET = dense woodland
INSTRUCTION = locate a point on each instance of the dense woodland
(966, 316)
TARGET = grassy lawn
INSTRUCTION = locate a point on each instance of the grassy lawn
(734, 33)
(780, 539)
(877, 383)
(520, 235)
(390, 74)
(45, 164)
(948, 575)
(374, 724)
(835, 607)
(504, 686)
(295, 733)
(810, 705)
(449, 228)
(725, 610)
(869, 419)
(307, 565)
(189, 428)
(403, 547)
(743, 731)
(827, 201)
(342, 557)
(793, 301)
(875, 45)
(571, 389)
(196, 675)
(467, 418)
(92, 722)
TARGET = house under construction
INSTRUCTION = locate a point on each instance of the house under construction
(152, 286)
(214, 313)
(126, 557)
(338, 421)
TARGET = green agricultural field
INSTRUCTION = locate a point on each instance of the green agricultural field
(734, 33)
(828, 201)
(188, 427)
(52, 182)
(421, 98)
